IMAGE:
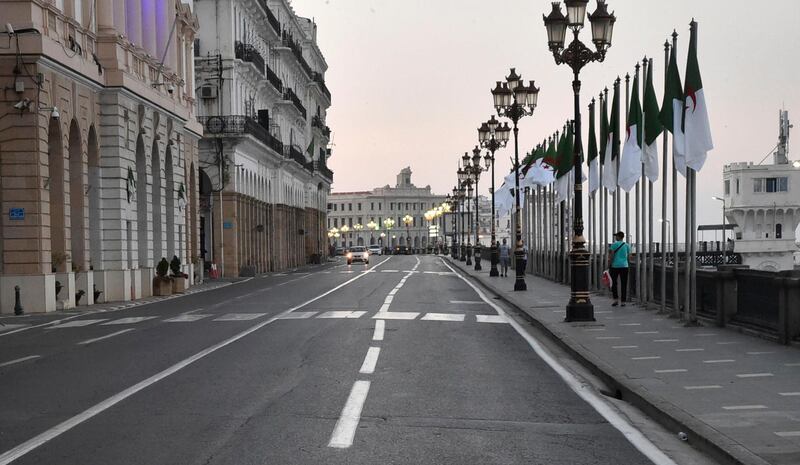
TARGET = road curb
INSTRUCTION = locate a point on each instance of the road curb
(701, 436)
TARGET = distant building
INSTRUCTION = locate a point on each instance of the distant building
(763, 201)
(361, 208)
(263, 103)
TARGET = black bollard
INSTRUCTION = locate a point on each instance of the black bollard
(17, 304)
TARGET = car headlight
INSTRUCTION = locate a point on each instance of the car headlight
(349, 255)
(366, 254)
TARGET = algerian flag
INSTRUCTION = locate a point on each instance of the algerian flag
(565, 166)
(594, 161)
(609, 158)
(672, 112)
(310, 149)
(503, 200)
(696, 126)
(652, 128)
(630, 165)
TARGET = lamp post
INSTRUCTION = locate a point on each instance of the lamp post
(454, 200)
(372, 226)
(493, 137)
(474, 170)
(576, 56)
(461, 196)
(344, 230)
(388, 223)
(407, 220)
(724, 244)
(358, 227)
(514, 101)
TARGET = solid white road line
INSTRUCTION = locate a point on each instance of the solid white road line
(676, 370)
(491, 319)
(186, 318)
(395, 316)
(239, 317)
(61, 428)
(443, 317)
(466, 302)
(368, 367)
(689, 350)
(729, 360)
(298, 316)
(76, 324)
(19, 360)
(759, 353)
(789, 394)
(744, 407)
(698, 388)
(107, 336)
(754, 375)
(788, 434)
(665, 340)
(633, 435)
(653, 357)
(345, 430)
(128, 321)
(645, 332)
(380, 327)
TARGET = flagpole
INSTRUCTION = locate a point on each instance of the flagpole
(650, 242)
(664, 167)
(603, 193)
(638, 213)
(675, 256)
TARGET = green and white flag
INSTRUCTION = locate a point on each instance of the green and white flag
(609, 156)
(671, 115)
(652, 128)
(594, 159)
(696, 125)
(565, 166)
(630, 164)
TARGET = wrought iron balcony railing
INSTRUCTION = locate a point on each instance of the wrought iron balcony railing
(248, 53)
(294, 152)
(288, 94)
(271, 19)
(317, 122)
(317, 77)
(239, 125)
(297, 51)
(325, 171)
(274, 80)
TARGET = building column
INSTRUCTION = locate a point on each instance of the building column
(149, 27)
(105, 17)
(133, 22)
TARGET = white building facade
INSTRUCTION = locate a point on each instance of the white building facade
(262, 101)
(360, 208)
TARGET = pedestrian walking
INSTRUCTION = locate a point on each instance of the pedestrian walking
(505, 255)
(618, 267)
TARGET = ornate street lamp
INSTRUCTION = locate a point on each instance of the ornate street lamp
(358, 227)
(462, 193)
(372, 226)
(407, 220)
(493, 137)
(576, 56)
(453, 199)
(513, 100)
(388, 223)
(474, 170)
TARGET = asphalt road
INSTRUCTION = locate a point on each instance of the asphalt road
(398, 362)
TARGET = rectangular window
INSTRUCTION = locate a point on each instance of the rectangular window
(783, 184)
(391, 206)
(359, 206)
(737, 185)
(329, 223)
(758, 185)
(330, 206)
(360, 220)
(336, 222)
(771, 185)
(727, 187)
(372, 206)
(380, 206)
(350, 222)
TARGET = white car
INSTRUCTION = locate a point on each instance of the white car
(375, 250)
(357, 254)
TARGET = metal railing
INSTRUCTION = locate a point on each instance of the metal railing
(288, 94)
(294, 152)
(248, 53)
(238, 125)
(317, 77)
(271, 19)
(317, 122)
(297, 51)
(274, 80)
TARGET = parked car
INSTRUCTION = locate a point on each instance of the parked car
(358, 254)
(339, 251)
(375, 250)
(402, 250)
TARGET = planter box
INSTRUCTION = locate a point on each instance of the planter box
(162, 286)
(178, 285)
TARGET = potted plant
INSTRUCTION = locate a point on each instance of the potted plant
(178, 276)
(162, 284)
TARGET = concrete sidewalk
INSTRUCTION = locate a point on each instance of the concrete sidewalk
(736, 396)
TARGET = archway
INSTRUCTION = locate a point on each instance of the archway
(170, 203)
(77, 220)
(157, 218)
(55, 165)
(141, 204)
(95, 228)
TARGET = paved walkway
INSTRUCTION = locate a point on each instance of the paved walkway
(735, 395)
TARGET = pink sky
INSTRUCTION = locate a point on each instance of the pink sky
(410, 79)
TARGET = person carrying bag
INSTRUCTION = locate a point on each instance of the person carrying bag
(618, 267)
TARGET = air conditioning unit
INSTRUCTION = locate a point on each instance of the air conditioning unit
(208, 92)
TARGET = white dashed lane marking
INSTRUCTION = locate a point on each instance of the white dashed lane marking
(443, 317)
(19, 360)
(239, 317)
(744, 407)
(76, 324)
(101, 338)
(298, 316)
(342, 314)
(396, 315)
(491, 319)
(128, 321)
(186, 318)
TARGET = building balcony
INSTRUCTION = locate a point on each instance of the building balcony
(317, 122)
(248, 53)
(297, 51)
(320, 81)
(294, 152)
(325, 172)
(239, 126)
(271, 18)
(274, 80)
(288, 94)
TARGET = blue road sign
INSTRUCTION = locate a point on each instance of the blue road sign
(16, 214)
